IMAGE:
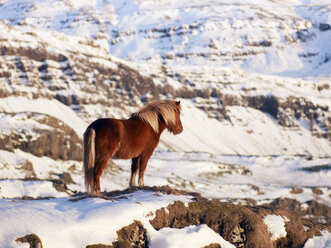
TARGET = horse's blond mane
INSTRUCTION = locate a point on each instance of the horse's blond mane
(167, 108)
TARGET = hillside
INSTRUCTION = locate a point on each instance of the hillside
(254, 83)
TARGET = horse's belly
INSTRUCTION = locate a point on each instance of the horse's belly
(126, 154)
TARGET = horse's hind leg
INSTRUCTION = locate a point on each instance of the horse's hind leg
(134, 170)
(100, 165)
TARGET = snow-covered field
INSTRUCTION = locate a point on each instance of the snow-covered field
(215, 176)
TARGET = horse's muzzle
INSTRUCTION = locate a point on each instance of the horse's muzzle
(178, 131)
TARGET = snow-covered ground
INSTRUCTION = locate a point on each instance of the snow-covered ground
(216, 176)
(63, 223)
(323, 241)
(59, 221)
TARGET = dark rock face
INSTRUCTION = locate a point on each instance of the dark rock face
(48, 137)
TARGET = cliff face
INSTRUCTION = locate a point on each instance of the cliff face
(84, 77)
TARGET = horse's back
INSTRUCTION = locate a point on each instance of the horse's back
(105, 123)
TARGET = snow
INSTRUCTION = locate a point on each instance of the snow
(60, 222)
(44, 106)
(21, 121)
(276, 226)
(223, 177)
(323, 241)
(224, 138)
(14, 188)
(191, 236)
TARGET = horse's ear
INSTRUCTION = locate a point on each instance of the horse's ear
(178, 103)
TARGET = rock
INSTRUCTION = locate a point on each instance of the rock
(238, 236)
(212, 246)
(131, 236)
(55, 73)
(28, 167)
(60, 186)
(134, 235)
(324, 27)
(66, 178)
(296, 190)
(317, 191)
(44, 136)
(33, 240)
(234, 223)
(99, 246)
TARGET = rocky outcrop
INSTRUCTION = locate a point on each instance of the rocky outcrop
(32, 239)
(240, 225)
(40, 135)
(133, 235)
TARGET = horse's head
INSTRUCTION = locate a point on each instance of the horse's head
(176, 127)
(165, 113)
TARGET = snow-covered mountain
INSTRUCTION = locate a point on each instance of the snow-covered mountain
(211, 53)
(278, 37)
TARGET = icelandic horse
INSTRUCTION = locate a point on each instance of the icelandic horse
(134, 138)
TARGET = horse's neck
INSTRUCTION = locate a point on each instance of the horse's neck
(162, 127)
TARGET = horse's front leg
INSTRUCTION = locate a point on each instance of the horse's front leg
(134, 170)
(142, 168)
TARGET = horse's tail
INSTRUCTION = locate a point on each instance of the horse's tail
(89, 159)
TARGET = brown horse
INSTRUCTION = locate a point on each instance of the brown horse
(134, 138)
